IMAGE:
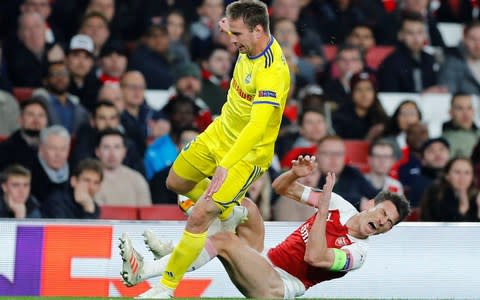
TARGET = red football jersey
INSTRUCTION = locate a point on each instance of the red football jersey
(289, 255)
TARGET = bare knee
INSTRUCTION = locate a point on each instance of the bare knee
(177, 184)
(224, 241)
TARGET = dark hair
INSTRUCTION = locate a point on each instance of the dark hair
(176, 101)
(302, 114)
(456, 95)
(211, 50)
(401, 203)
(470, 25)
(103, 103)
(94, 14)
(35, 100)
(375, 113)
(15, 170)
(50, 64)
(409, 16)
(108, 132)
(362, 25)
(88, 164)
(327, 138)
(252, 12)
(392, 126)
(380, 142)
(350, 47)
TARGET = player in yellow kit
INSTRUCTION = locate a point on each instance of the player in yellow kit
(238, 146)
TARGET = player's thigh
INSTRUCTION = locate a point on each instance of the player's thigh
(248, 269)
(239, 179)
(252, 231)
(195, 161)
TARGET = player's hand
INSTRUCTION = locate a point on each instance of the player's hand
(324, 200)
(217, 181)
(304, 166)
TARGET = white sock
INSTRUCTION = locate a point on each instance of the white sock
(155, 268)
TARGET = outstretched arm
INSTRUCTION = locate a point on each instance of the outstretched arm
(286, 184)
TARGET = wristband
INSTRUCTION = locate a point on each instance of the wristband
(305, 194)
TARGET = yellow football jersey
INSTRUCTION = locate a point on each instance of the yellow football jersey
(260, 80)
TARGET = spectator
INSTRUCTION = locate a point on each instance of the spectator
(113, 62)
(460, 72)
(95, 25)
(381, 158)
(461, 131)
(9, 112)
(105, 115)
(154, 59)
(76, 198)
(63, 108)
(406, 114)
(209, 13)
(32, 53)
(175, 24)
(53, 33)
(409, 69)
(113, 93)
(121, 185)
(188, 84)
(216, 70)
(284, 209)
(416, 135)
(310, 39)
(340, 17)
(388, 27)
(16, 201)
(349, 61)
(362, 36)
(285, 32)
(51, 172)
(435, 155)
(182, 113)
(366, 118)
(454, 198)
(80, 60)
(137, 112)
(455, 11)
(22, 146)
(351, 184)
(162, 151)
(157, 183)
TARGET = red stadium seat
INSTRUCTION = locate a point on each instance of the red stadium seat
(286, 162)
(22, 93)
(356, 153)
(376, 55)
(414, 215)
(119, 213)
(3, 137)
(167, 212)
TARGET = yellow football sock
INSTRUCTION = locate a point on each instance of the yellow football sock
(198, 190)
(184, 254)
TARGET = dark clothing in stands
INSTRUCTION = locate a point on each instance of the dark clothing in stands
(23, 67)
(352, 185)
(33, 208)
(386, 31)
(349, 125)
(158, 189)
(136, 127)
(440, 204)
(155, 67)
(15, 150)
(335, 92)
(420, 183)
(85, 148)
(397, 72)
(88, 92)
(409, 171)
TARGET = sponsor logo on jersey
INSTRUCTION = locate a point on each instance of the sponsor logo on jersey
(341, 241)
(248, 79)
(240, 92)
(270, 94)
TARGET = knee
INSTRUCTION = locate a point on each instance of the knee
(223, 241)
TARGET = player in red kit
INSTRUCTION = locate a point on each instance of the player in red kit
(328, 245)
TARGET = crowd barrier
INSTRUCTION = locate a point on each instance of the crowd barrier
(63, 258)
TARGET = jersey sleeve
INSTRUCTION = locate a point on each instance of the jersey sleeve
(356, 255)
(270, 86)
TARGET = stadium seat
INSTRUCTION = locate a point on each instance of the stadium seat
(356, 154)
(376, 55)
(414, 215)
(286, 162)
(118, 213)
(164, 212)
(3, 137)
(22, 93)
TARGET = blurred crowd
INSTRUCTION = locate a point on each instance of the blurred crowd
(77, 132)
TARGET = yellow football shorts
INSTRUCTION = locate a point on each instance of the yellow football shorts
(197, 161)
